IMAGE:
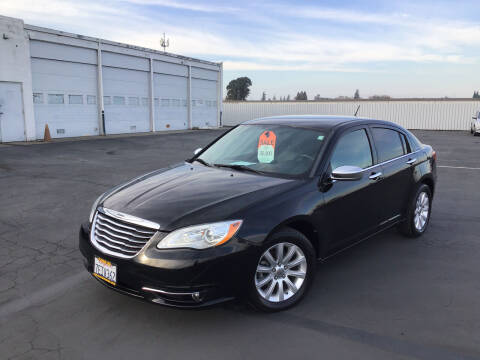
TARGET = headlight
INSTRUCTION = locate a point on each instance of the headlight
(94, 207)
(201, 236)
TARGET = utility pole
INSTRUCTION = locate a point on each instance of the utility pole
(164, 43)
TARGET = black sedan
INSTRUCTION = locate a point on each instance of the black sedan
(250, 214)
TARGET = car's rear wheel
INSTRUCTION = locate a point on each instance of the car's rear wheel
(418, 212)
(284, 272)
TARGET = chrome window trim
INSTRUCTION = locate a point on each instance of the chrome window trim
(130, 218)
(391, 160)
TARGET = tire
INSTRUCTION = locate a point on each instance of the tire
(413, 226)
(296, 244)
(476, 134)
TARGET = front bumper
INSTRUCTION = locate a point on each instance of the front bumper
(184, 278)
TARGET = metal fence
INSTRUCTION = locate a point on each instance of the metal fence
(411, 114)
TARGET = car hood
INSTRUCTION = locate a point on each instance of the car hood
(189, 194)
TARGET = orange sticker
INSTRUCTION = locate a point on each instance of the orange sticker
(266, 147)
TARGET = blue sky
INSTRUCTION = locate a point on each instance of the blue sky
(400, 48)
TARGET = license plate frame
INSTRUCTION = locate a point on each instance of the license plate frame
(105, 270)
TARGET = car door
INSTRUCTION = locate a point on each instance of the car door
(350, 209)
(397, 163)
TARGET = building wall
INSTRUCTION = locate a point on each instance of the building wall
(15, 67)
(88, 86)
(411, 114)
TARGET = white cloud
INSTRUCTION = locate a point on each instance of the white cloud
(252, 65)
(186, 6)
(428, 32)
(347, 16)
(420, 42)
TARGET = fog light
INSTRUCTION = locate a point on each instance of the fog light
(196, 296)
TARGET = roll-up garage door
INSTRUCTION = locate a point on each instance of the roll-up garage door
(204, 98)
(170, 83)
(125, 101)
(204, 103)
(126, 93)
(64, 91)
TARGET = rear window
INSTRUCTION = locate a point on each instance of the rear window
(388, 143)
(415, 144)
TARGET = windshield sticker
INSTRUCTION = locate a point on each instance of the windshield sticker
(320, 137)
(266, 147)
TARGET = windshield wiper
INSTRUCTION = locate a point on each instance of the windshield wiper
(239, 167)
(203, 162)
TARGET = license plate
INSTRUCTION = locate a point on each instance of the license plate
(105, 270)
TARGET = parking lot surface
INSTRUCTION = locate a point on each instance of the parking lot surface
(387, 298)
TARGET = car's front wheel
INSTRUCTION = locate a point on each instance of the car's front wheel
(284, 271)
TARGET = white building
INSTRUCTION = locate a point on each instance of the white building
(83, 86)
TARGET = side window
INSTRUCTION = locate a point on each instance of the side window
(56, 99)
(118, 100)
(91, 100)
(75, 99)
(388, 143)
(37, 98)
(352, 149)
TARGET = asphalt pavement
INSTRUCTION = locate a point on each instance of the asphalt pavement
(387, 298)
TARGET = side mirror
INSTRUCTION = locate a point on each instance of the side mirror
(197, 151)
(347, 172)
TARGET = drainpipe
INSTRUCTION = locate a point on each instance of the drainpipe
(189, 97)
(220, 95)
(152, 101)
(101, 109)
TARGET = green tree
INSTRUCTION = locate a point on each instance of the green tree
(357, 95)
(301, 95)
(288, 97)
(264, 96)
(239, 89)
(476, 95)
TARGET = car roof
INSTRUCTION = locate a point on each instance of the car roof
(324, 122)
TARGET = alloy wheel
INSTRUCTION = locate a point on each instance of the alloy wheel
(280, 272)
(422, 209)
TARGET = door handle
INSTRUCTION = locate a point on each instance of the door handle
(375, 176)
(411, 161)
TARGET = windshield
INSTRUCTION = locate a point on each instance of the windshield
(270, 149)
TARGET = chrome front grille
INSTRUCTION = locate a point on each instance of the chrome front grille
(119, 234)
